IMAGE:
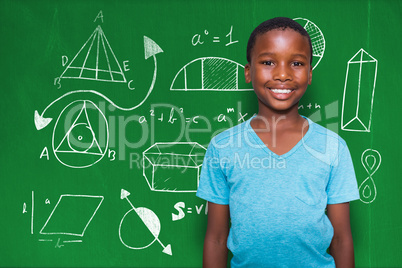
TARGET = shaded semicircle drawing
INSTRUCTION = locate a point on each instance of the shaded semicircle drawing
(211, 74)
(80, 135)
(140, 227)
(317, 39)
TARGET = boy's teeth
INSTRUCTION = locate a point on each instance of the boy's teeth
(287, 91)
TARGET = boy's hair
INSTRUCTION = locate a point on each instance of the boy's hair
(279, 23)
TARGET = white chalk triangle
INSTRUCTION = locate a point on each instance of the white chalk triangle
(124, 194)
(41, 122)
(151, 48)
(167, 250)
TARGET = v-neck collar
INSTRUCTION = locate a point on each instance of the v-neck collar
(250, 130)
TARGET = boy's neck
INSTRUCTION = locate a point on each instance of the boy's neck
(280, 119)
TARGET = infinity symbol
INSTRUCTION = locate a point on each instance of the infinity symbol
(371, 161)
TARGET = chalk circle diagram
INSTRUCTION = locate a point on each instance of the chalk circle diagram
(135, 234)
(140, 227)
(211, 74)
(81, 135)
(317, 39)
(371, 161)
(72, 215)
(95, 61)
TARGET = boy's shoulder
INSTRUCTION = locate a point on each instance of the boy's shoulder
(328, 135)
(320, 130)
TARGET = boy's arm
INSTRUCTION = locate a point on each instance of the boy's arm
(341, 247)
(215, 249)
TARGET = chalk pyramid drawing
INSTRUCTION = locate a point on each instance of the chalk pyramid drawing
(80, 138)
(358, 94)
(211, 74)
(95, 61)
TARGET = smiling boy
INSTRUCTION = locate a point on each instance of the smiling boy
(277, 212)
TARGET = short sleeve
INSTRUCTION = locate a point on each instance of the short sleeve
(342, 185)
(213, 185)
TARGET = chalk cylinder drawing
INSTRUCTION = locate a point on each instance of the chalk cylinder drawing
(173, 167)
(358, 94)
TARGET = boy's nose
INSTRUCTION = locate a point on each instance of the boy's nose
(282, 73)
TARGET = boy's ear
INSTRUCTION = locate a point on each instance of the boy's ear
(247, 74)
(310, 75)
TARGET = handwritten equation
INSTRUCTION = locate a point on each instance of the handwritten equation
(176, 114)
(200, 39)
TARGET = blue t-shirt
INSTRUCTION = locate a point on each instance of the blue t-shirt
(277, 203)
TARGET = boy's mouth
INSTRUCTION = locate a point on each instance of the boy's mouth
(281, 91)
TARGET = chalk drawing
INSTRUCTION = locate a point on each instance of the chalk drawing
(145, 217)
(197, 40)
(71, 215)
(371, 161)
(182, 210)
(210, 74)
(95, 61)
(80, 146)
(72, 241)
(317, 39)
(173, 166)
(32, 212)
(358, 94)
(58, 245)
(151, 49)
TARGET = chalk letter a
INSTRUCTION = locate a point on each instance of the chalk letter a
(44, 153)
(100, 15)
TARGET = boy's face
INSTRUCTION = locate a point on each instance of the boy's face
(280, 69)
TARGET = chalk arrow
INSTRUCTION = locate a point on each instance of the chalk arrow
(168, 250)
(40, 121)
(151, 48)
(146, 216)
(124, 194)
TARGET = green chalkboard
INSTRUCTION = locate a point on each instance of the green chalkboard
(108, 107)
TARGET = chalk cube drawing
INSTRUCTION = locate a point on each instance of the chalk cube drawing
(72, 214)
(358, 95)
(173, 166)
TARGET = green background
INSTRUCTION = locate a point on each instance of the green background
(36, 34)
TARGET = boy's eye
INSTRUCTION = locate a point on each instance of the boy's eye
(296, 63)
(269, 63)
